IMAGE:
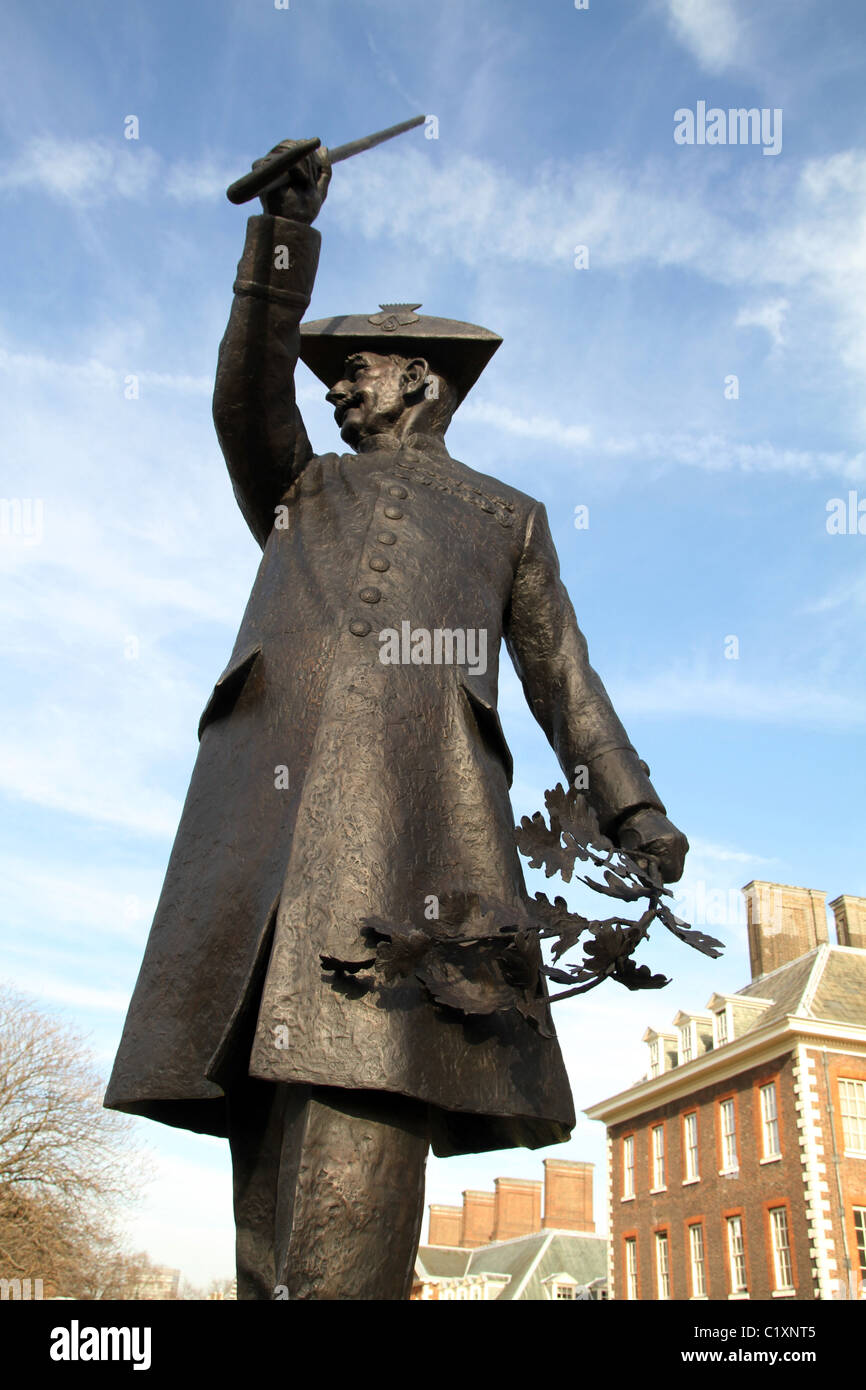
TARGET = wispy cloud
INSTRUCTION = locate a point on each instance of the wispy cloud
(688, 693)
(709, 29)
(770, 316)
(711, 453)
(88, 172)
(803, 235)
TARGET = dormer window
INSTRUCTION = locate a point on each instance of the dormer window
(721, 1027)
(687, 1050)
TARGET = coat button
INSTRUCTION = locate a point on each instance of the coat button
(380, 564)
(370, 595)
(393, 514)
(386, 538)
(359, 628)
(397, 491)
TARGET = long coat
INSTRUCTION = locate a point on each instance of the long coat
(332, 787)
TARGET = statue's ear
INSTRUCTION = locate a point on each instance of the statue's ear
(414, 375)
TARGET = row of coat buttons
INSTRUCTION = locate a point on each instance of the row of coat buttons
(359, 627)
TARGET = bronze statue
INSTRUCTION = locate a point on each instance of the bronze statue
(352, 769)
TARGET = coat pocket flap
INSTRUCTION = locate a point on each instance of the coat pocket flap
(229, 686)
(488, 723)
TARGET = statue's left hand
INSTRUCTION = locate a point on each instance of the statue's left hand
(649, 832)
(305, 187)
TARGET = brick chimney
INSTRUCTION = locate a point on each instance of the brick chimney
(568, 1195)
(445, 1225)
(850, 914)
(784, 923)
(517, 1207)
(479, 1218)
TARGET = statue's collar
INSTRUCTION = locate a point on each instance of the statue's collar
(422, 442)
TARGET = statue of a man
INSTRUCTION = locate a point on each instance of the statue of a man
(335, 785)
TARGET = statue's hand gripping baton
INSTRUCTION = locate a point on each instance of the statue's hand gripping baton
(272, 171)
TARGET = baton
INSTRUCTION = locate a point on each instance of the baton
(272, 172)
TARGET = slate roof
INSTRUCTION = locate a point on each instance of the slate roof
(827, 983)
(526, 1260)
(442, 1261)
(841, 991)
(784, 986)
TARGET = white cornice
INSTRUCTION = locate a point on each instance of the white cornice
(723, 1063)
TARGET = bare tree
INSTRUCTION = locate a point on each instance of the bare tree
(67, 1166)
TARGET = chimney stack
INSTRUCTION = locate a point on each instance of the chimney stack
(445, 1225)
(479, 1218)
(517, 1208)
(850, 914)
(784, 923)
(568, 1195)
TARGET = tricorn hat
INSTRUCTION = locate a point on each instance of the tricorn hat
(460, 351)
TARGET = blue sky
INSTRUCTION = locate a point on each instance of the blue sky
(707, 515)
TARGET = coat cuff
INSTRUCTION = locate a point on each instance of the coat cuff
(279, 261)
(618, 784)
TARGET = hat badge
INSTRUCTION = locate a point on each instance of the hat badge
(394, 316)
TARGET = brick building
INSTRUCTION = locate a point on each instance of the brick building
(737, 1166)
(500, 1245)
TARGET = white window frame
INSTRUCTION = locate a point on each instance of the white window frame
(860, 1237)
(655, 1062)
(722, 1027)
(691, 1152)
(737, 1255)
(770, 1144)
(697, 1260)
(687, 1043)
(852, 1105)
(663, 1266)
(782, 1262)
(728, 1111)
(628, 1167)
(631, 1286)
(657, 1139)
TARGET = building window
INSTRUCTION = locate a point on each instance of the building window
(663, 1267)
(655, 1064)
(686, 1050)
(631, 1268)
(658, 1153)
(628, 1166)
(722, 1026)
(852, 1095)
(860, 1232)
(697, 1262)
(770, 1121)
(690, 1145)
(737, 1255)
(564, 1291)
(728, 1121)
(782, 1267)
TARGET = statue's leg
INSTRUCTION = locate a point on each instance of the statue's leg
(351, 1195)
(259, 1113)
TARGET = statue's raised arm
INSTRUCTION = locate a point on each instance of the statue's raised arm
(257, 420)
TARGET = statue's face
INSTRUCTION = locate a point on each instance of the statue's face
(373, 394)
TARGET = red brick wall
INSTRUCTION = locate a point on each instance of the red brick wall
(851, 1171)
(445, 1225)
(758, 1187)
(518, 1208)
(479, 1218)
(568, 1195)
